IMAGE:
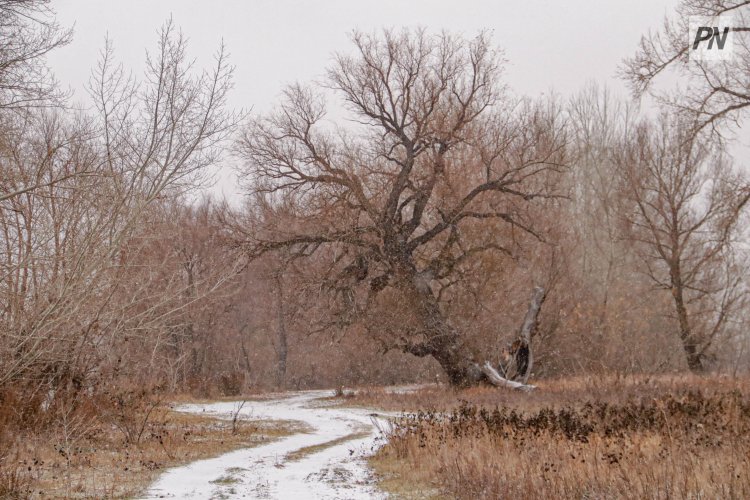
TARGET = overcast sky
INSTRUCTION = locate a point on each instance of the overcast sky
(558, 45)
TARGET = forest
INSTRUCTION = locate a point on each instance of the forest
(408, 219)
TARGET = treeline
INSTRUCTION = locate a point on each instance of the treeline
(398, 244)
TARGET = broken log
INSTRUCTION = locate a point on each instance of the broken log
(528, 328)
(522, 359)
(497, 380)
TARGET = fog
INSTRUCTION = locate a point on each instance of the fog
(550, 46)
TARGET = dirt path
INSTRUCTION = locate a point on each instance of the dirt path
(326, 462)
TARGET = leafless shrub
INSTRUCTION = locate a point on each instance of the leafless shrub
(231, 383)
(130, 411)
(236, 415)
(687, 444)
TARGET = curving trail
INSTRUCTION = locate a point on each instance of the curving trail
(327, 462)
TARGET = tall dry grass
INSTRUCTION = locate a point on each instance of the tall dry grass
(687, 443)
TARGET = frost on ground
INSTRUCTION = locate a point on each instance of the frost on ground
(327, 462)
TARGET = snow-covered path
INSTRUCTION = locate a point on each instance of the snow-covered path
(336, 469)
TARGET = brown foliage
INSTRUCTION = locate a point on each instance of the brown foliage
(692, 442)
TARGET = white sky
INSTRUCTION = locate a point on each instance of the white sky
(558, 45)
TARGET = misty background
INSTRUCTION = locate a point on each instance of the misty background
(550, 46)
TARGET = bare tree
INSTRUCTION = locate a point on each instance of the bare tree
(29, 33)
(187, 254)
(718, 90)
(605, 296)
(69, 284)
(683, 202)
(440, 159)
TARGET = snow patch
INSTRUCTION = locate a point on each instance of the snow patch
(334, 472)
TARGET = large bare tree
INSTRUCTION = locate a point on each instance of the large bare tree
(682, 203)
(432, 168)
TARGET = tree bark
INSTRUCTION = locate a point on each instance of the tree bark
(692, 354)
(443, 341)
(282, 347)
(529, 328)
(497, 380)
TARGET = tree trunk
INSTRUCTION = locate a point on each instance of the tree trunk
(695, 364)
(529, 328)
(443, 341)
(689, 343)
(282, 347)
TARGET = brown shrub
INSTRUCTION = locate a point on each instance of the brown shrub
(15, 482)
(231, 383)
(691, 444)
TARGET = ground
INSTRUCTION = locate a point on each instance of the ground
(100, 463)
(594, 437)
(325, 460)
(605, 437)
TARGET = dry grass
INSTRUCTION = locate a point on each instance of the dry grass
(669, 437)
(100, 463)
(551, 392)
(306, 451)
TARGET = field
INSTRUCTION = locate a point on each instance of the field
(613, 437)
(119, 458)
(637, 436)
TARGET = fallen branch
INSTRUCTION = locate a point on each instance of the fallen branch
(497, 380)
